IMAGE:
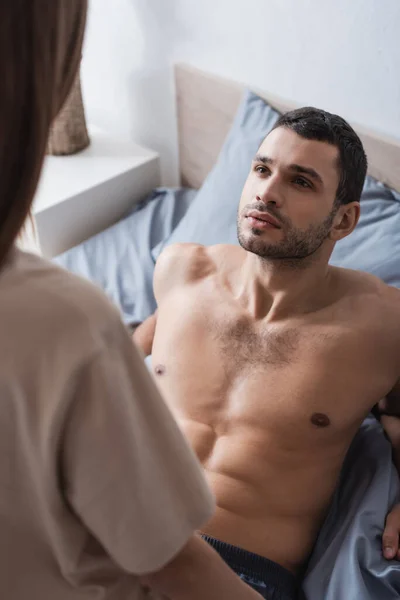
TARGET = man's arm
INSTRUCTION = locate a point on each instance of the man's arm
(389, 409)
(178, 265)
(143, 335)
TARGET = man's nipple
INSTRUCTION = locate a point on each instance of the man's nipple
(159, 369)
(320, 420)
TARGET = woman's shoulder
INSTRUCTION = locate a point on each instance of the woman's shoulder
(38, 296)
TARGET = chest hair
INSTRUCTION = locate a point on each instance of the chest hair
(242, 344)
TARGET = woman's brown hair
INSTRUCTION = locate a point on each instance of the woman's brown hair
(40, 51)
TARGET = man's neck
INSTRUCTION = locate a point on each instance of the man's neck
(276, 289)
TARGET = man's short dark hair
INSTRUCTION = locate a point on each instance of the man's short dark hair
(315, 124)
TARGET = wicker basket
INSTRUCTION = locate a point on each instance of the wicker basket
(68, 134)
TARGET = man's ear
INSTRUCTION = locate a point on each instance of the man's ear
(345, 221)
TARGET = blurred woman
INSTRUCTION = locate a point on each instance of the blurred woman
(97, 486)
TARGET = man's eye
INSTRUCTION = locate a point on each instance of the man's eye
(260, 170)
(302, 182)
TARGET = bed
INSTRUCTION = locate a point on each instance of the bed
(220, 124)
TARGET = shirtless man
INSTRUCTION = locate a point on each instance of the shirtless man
(269, 358)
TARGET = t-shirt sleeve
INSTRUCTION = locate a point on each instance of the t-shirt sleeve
(129, 474)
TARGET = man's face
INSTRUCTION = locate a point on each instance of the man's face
(288, 201)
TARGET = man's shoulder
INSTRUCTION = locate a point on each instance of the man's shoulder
(194, 261)
(370, 292)
(360, 281)
(382, 293)
(391, 298)
(184, 251)
(191, 251)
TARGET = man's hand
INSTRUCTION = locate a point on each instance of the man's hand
(390, 421)
(391, 535)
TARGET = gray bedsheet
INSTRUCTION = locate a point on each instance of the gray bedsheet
(347, 562)
(119, 259)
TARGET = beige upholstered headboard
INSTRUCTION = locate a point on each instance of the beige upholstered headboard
(206, 106)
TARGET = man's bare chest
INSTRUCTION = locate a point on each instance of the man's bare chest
(324, 371)
(325, 374)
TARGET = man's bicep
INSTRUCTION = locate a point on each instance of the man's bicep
(143, 335)
(391, 404)
(389, 416)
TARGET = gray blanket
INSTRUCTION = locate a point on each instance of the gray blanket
(347, 562)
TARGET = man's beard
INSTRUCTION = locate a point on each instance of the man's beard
(296, 245)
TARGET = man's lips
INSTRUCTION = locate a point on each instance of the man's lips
(263, 217)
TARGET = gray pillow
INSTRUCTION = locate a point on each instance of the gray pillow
(374, 246)
(211, 218)
(119, 259)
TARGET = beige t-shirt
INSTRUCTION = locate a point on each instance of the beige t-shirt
(97, 484)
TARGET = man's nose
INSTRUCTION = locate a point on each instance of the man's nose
(270, 194)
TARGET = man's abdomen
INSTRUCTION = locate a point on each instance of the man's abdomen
(271, 435)
(270, 499)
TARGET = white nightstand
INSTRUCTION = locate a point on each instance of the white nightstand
(80, 195)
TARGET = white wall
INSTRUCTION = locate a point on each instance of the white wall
(341, 55)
